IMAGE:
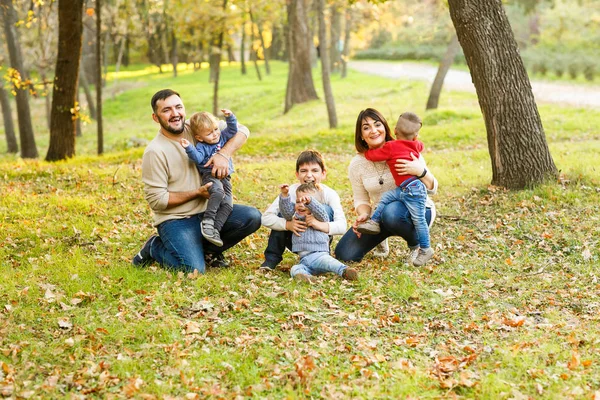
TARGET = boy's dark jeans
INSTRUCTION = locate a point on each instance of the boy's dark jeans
(280, 240)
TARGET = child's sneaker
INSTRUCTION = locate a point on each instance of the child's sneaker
(412, 256)
(210, 233)
(369, 227)
(350, 274)
(304, 278)
(144, 258)
(382, 249)
(423, 257)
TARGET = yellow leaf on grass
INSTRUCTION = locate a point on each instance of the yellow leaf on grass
(574, 361)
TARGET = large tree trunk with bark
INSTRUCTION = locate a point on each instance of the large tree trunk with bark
(516, 140)
(26, 136)
(331, 113)
(438, 82)
(9, 128)
(300, 86)
(62, 125)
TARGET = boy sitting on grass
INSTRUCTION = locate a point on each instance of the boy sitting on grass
(211, 139)
(310, 168)
(311, 245)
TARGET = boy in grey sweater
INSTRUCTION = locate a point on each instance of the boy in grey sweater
(311, 245)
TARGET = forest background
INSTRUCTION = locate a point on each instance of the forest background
(508, 308)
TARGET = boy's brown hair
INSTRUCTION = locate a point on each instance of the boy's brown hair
(202, 122)
(310, 157)
(408, 125)
(310, 187)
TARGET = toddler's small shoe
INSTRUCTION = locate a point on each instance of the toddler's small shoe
(350, 274)
(144, 258)
(423, 256)
(267, 266)
(382, 249)
(217, 260)
(369, 227)
(304, 278)
(412, 256)
(210, 233)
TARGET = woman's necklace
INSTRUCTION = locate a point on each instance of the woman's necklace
(380, 173)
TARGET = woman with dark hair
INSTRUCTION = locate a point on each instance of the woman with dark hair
(369, 181)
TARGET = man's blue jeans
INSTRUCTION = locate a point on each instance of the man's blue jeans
(395, 221)
(280, 240)
(318, 263)
(414, 196)
(181, 246)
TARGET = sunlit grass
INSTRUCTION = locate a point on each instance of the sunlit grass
(507, 309)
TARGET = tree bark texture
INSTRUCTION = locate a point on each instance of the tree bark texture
(324, 46)
(64, 95)
(517, 144)
(300, 86)
(438, 82)
(26, 135)
(9, 128)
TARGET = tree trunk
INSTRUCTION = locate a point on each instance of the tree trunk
(89, 98)
(174, 54)
(47, 98)
(254, 56)
(516, 141)
(331, 113)
(9, 128)
(243, 48)
(336, 33)
(346, 50)
(438, 82)
(300, 85)
(278, 49)
(26, 136)
(253, 53)
(62, 123)
(99, 126)
(218, 63)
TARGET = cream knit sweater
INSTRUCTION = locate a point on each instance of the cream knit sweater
(364, 177)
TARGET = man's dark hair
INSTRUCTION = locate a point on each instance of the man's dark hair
(310, 157)
(161, 95)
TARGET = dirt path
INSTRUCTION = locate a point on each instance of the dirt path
(544, 92)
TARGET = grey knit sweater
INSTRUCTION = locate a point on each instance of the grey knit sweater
(310, 240)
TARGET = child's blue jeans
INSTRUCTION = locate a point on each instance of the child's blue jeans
(414, 196)
(318, 263)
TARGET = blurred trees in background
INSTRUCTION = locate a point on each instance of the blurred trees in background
(560, 37)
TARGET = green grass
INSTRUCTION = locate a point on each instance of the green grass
(507, 309)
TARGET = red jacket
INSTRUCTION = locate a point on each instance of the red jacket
(393, 150)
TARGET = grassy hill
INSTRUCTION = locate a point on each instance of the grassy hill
(508, 308)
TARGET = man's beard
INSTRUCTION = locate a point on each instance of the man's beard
(166, 127)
